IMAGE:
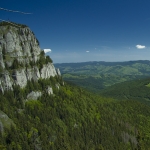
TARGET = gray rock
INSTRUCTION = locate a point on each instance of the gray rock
(57, 85)
(49, 90)
(58, 72)
(34, 95)
(48, 70)
(1, 57)
(20, 78)
(10, 44)
(5, 82)
(33, 73)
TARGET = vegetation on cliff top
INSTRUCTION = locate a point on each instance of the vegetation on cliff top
(10, 23)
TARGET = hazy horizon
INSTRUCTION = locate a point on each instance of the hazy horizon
(102, 61)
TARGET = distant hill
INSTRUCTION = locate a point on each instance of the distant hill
(135, 90)
(140, 67)
(98, 75)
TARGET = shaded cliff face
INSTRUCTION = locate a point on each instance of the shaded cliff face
(21, 58)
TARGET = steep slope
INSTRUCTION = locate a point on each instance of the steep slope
(73, 119)
(46, 114)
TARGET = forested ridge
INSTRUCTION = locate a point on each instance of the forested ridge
(135, 89)
(72, 118)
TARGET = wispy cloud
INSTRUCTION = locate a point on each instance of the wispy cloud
(87, 51)
(47, 50)
(140, 46)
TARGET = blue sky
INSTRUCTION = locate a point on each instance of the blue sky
(87, 30)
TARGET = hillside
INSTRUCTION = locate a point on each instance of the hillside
(73, 119)
(39, 111)
(96, 76)
(135, 90)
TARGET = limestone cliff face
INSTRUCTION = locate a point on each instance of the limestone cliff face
(19, 43)
(45, 73)
(20, 56)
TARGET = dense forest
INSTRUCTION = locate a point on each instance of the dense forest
(72, 118)
(135, 90)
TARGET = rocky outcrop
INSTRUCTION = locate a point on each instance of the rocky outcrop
(58, 71)
(48, 70)
(34, 95)
(20, 57)
(57, 85)
(5, 82)
(20, 78)
(49, 90)
(18, 43)
(33, 73)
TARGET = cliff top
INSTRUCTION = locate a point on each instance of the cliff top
(9, 23)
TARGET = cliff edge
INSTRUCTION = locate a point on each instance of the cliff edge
(21, 58)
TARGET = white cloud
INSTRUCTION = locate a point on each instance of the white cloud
(87, 51)
(47, 50)
(140, 46)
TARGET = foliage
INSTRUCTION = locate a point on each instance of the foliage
(43, 60)
(4, 23)
(136, 89)
(73, 119)
(16, 64)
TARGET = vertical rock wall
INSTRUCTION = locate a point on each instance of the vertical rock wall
(19, 45)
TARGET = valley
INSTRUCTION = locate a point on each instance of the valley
(96, 76)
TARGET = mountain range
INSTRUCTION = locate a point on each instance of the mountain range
(96, 76)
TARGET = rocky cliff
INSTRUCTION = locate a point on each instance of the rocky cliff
(21, 58)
